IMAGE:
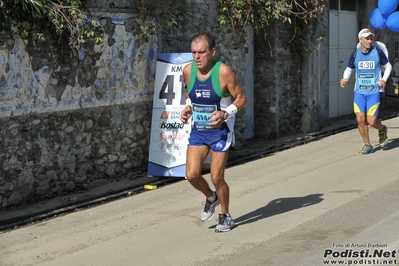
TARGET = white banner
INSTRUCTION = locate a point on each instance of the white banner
(168, 144)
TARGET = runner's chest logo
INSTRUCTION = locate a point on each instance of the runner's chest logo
(203, 94)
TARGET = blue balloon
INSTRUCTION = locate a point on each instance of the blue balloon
(386, 7)
(393, 22)
(377, 20)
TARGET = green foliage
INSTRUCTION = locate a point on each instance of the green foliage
(260, 13)
(145, 31)
(170, 15)
(59, 19)
(173, 19)
(65, 19)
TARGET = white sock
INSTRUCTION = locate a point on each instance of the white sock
(212, 198)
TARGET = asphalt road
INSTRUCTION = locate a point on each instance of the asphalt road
(291, 208)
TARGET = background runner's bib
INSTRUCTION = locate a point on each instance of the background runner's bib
(368, 71)
(366, 81)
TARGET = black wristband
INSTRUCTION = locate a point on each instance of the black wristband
(225, 114)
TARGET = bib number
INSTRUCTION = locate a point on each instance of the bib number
(366, 81)
(202, 115)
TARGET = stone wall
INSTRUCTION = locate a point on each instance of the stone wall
(49, 154)
(74, 121)
(291, 87)
(314, 89)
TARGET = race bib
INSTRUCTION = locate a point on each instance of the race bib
(202, 115)
(366, 81)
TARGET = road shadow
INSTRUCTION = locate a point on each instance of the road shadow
(278, 206)
(392, 144)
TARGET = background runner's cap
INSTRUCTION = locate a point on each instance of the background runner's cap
(364, 33)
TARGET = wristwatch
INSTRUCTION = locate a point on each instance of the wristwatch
(225, 114)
